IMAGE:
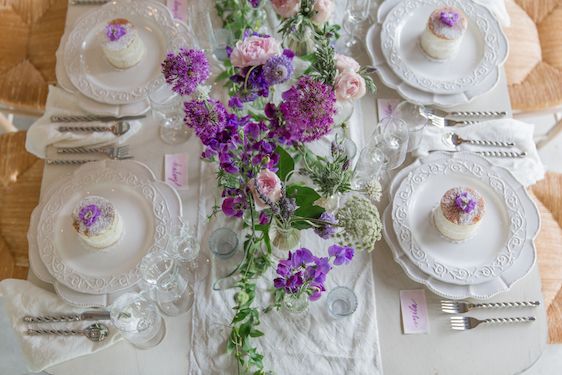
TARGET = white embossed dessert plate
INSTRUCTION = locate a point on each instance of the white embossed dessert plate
(146, 214)
(504, 229)
(483, 50)
(91, 73)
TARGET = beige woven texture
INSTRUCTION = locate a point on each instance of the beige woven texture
(30, 32)
(20, 184)
(534, 65)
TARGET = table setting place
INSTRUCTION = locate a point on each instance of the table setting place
(281, 186)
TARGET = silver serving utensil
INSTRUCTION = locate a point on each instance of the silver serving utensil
(88, 2)
(111, 151)
(460, 307)
(119, 128)
(457, 140)
(96, 332)
(502, 154)
(426, 112)
(463, 323)
(91, 118)
(87, 315)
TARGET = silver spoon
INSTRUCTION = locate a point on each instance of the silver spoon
(457, 140)
(119, 128)
(95, 332)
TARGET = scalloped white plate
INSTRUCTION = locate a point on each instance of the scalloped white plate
(503, 282)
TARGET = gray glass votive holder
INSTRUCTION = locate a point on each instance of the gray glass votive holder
(341, 302)
(223, 243)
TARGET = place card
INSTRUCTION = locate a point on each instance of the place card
(414, 311)
(175, 170)
(178, 9)
(385, 107)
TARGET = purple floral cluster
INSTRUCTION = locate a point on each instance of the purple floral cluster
(115, 31)
(306, 112)
(449, 18)
(304, 272)
(89, 215)
(185, 70)
(327, 229)
(254, 3)
(465, 202)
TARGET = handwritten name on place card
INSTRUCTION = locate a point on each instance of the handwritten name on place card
(175, 166)
(414, 311)
(385, 107)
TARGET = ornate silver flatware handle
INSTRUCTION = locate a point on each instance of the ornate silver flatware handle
(84, 129)
(58, 332)
(92, 118)
(88, 2)
(507, 304)
(479, 114)
(68, 162)
(502, 154)
(481, 142)
(509, 320)
(80, 150)
(52, 318)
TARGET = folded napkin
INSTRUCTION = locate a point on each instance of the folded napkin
(44, 133)
(22, 298)
(527, 170)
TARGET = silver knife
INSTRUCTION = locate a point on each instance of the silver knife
(92, 118)
(87, 315)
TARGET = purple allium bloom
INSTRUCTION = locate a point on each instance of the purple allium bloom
(235, 102)
(89, 215)
(207, 117)
(254, 3)
(449, 18)
(465, 202)
(277, 69)
(185, 70)
(115, 31)
(343, 254)
(307, 111)
(326, 231)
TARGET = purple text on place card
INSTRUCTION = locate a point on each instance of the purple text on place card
(178, 9)
(175, 169)
(414, 311)
(385, 107)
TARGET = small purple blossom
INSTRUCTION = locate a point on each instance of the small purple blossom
(264, 218)
(327, 230)
(185, 70)
(449, 18)
(277, 69)
(207, 117)
(89, 215)
(254, 3)
(465, 202)
(115, 31)
(342, 254)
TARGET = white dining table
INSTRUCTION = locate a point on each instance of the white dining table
(495, 350)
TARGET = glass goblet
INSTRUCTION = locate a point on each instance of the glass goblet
(357, 13)
(410, 114)
(184, 248)
(391, 136)
(371, 166)
(167, 109)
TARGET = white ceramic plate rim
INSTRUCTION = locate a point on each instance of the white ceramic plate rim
(494, 42)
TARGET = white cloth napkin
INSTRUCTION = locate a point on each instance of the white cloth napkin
(499, 9)
(527, 170)
(44, 133)
(22, 298)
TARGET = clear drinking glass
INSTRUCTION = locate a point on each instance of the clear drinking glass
(410, 114)
(371, 166)
(223, 243)
(166, 285)
(138, 320)
(357, 13)
(391, 137)
(167, 109)
(222, 39)
(202, 26)
(184, 248)
(341, 302)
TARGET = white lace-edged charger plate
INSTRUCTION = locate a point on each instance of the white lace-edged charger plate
(502, 281)
(483, 51)
(91, 73)
(147, 207)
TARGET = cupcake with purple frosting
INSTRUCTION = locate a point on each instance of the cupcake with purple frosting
(444, 33)
(459, 213)
(97, 222)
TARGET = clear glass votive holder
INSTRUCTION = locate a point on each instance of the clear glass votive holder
(138, 320)
(223, 243)
(341, 302)
(167, 109)
(166, 285)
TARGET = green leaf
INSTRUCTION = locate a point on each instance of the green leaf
(221, 77)
(256, 333)
(303, 195)
(286, 163)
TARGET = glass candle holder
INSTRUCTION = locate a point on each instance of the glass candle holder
(223, 243)
(138, 320)
(341, 302)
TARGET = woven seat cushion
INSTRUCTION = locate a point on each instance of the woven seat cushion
(534, 65)
(30, 32)
(20, 184)
(548, 195)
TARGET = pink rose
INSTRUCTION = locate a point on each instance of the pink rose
(254, 50)
(344, 63)
(286, 8)
(267, 185)
(350, 86)
(323, 9)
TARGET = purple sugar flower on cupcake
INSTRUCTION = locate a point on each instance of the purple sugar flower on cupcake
(89, 215)
(449, 18)
(115, 31)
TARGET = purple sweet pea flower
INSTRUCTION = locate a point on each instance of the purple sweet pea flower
(342, 254)
(89, 215)
(115, 31)
(254, 3)
(264, 218)
(326, 231)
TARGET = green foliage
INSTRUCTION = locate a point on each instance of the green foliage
(286, 164)
(323, 67)
(239, 15)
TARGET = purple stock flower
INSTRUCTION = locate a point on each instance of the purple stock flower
(326, 230)
(342, 254)
(207, 117)
(89, 215)
(185, 70)
(115, 31)
(277, 69)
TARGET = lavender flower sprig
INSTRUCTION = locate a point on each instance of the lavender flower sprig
(185, 70)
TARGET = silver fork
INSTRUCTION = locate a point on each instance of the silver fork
(460, 307)
(426, 112)
(441, 122)
(113, 152)
(119, 128)
(463, 323)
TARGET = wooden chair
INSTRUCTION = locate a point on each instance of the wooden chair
(548, 195)
(30, 32)
(20, 184)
